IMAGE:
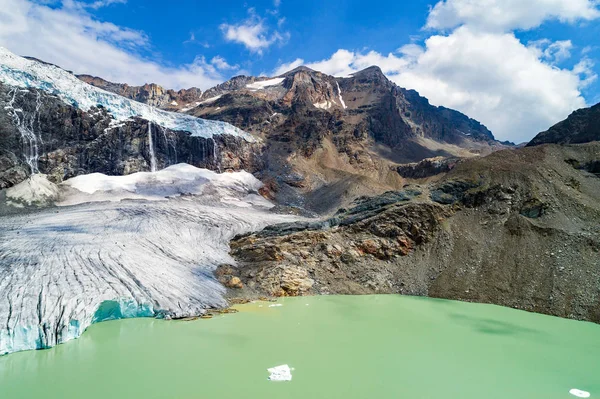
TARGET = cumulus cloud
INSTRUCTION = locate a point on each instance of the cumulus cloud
(496, 79)
(253, 33)
(483, 70)
(104, 3)
(221, 64)
(285, 67)
(505, 15)
(70, 37)
(554, 52)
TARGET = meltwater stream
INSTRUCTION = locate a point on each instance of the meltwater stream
(338, 347)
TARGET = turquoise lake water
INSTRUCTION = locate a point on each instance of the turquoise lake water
(339, 347)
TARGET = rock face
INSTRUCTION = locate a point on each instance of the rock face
(581, 126)
(324, 133)
(335, 134)
(364, 106)
(518, 228)
(63, 141)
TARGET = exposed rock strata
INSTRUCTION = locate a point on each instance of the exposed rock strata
(517, 228)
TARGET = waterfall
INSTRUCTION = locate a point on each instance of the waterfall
(26, 128)
(151, 145)
(169, 143)
(340, 95)
(215, 155)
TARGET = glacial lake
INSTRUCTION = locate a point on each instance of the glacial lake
(338, 346)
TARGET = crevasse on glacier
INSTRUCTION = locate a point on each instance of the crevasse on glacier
(63, 268)
(20, 72)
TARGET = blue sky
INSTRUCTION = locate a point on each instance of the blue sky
(517, 66)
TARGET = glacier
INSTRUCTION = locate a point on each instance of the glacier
(141, 245)
(24, 73)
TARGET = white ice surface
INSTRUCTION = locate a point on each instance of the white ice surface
(579, 393)
(58, 265)
(36, 190)
(280, 373)
(172, 181)
(264, 84)
(21, 72)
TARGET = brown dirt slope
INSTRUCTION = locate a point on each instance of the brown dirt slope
(519, 228)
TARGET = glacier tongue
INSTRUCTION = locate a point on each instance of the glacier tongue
(63, 268)
(21, 72)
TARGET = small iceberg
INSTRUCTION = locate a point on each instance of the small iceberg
(280, 373)
(579, 393)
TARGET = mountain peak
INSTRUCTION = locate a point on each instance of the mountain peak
(372, 71)
(301, 68)
(581, 126)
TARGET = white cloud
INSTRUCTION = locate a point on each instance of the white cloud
(506, 15)
(253, 33)
(221, 64)
(553, 52)
(494, 78)
(344, 62)
(73, 39)
(104, 3)
(585, 69)
(283, 68)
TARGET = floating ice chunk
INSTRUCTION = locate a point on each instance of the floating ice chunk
(280, 373)
(264, 83)
(275, 305)
(579, 393)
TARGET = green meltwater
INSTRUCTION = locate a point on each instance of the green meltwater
(336, 347)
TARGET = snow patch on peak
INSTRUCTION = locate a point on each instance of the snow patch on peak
(264, 84)
(323, 105)
(209, 100)
(21, 72)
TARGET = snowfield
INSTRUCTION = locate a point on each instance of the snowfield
(260, 85)
(20, 72)
(63, 268)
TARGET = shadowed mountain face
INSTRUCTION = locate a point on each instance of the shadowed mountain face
(581, 126)
(42, 132)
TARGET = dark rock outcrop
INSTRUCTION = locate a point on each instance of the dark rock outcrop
(427, 167)
(69, 142)
(581, 126)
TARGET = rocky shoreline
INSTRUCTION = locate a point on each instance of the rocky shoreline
(498, 229)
